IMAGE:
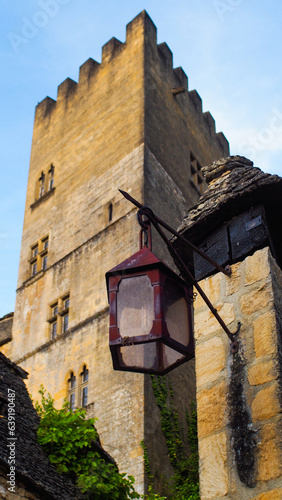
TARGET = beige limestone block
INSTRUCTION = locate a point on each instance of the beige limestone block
(211, 405)
(233, 282)
(269, 463)
(206, 323)
(211, 287)
(262, 372)
(211, 360)
(257, 266)
(266, 404)
(265, 340)
(270, 495)
(256, 300)
(137, 452)
(213, 467)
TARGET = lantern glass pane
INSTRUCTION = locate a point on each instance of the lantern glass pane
(140, 356)
(176, 312)
(135, 306)
(170, 356)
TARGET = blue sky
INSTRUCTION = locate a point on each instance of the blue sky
(230, 50)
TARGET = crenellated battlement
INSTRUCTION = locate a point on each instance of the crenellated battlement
(66, 89)
(87, 70)
(166, 55)
(119, 60)
(110, 49)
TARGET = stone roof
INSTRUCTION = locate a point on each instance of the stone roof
(234, 186)
(32, 465)
(6, 324)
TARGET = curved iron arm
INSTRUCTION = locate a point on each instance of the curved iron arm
(156, 222)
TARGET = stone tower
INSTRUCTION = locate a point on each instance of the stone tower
(129, 123)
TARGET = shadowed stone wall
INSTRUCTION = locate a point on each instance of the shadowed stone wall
(239, 396)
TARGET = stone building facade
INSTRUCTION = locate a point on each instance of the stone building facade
(130, 123)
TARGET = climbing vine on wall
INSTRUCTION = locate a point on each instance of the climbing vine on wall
(185, 482)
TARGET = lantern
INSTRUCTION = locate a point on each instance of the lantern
(150, 315)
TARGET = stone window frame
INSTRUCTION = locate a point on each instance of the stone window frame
(44, 186)
(39, 256)
(58, 316)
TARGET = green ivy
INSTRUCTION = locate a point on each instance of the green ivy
(67, 438)
(185, 482)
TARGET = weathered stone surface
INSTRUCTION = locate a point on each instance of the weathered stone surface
(233, 282)
(257, 409)
(265, 337)
(211, 405)
(6, 325)
(224, 165)
(269, 465)
(211, 361)
(266, 403)
(275, 494)
(206, 323)
(257, 266)
(213, 470)
(262, 372)
(212, 288)
(257, 299)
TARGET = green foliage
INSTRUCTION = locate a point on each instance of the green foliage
(67, 437)
(185, 482)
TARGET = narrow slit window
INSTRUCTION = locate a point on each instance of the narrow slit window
(72, 384)
(110, 212)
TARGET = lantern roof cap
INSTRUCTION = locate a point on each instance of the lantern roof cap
(144, 257)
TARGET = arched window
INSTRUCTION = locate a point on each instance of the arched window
(72, 384)
(84, 386)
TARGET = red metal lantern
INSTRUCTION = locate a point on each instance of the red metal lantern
(151, 327)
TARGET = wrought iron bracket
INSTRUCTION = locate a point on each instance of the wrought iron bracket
(151, 218)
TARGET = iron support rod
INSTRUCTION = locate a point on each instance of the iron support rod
(226, 271)
(153, 220)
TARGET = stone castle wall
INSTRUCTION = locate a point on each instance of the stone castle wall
(239, 396)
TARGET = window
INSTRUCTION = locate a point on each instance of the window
(39, 256)
(58, 316)
(54, 320)
(51, 172)
(41, 182)
(54, 330)
(72, 383)
(35, 250)
(34, 269)
(55, 310)
(110, 212)
(65, 313)
(65, 323)
(84, 386)
(45, 183)
(197, 179)
(44, 263)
